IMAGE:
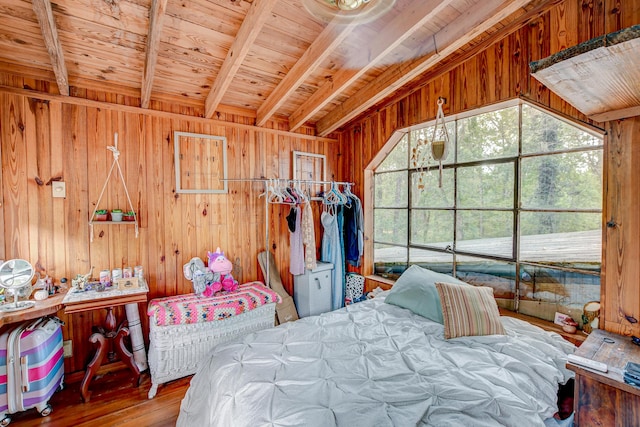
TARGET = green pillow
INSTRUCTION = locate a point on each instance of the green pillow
(416, 290)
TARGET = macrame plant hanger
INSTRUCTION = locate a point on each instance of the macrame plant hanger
(116, 154)
(419, 157)
(437, 148)
(440, 140)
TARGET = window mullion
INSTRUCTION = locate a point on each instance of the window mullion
(409, 205)
(455, 201)
(516, 212)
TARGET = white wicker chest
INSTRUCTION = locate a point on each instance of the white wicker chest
(175, 350)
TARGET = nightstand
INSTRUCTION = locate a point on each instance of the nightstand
(603, 399)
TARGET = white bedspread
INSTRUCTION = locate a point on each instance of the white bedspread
(376, 364)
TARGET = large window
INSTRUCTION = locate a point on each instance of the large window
(519, 209)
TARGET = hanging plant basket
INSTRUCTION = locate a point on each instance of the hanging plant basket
(435, 150)
(440, 140)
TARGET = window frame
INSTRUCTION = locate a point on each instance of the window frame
(516, 211)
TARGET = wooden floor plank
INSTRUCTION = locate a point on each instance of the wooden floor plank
(114, 402)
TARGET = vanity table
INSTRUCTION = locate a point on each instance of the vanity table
(42, 308)
(79, 301)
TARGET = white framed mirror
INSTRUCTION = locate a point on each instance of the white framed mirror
(15, 275)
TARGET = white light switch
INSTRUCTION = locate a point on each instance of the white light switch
(59, 189)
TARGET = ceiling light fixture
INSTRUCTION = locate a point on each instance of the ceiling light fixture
(347, 11)
(347, 4)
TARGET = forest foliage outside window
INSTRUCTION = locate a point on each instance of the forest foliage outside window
(519, 209)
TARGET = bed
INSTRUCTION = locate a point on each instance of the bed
(379, 364)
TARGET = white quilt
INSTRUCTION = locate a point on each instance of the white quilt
(376, 364)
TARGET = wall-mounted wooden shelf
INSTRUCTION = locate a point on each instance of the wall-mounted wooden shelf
(113, 222)
(599, 77)
(114, 165)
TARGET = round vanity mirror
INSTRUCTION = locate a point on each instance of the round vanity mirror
(16, 274)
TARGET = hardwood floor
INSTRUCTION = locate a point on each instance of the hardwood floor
(114, 402)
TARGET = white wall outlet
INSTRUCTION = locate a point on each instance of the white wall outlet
(67, 348)
(59, 189)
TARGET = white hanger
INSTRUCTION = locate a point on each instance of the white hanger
(274, 194)
(344, 199)
(348, 194)
(289, 196)
(334, 196)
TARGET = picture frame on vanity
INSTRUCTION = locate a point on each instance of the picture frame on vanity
(127, 283)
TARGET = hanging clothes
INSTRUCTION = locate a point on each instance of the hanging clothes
(309, 237)
(296, 257)
(351, 234)
(360, 222)
(353, 231)
(291, 219)
(332, 252)
(343, 266)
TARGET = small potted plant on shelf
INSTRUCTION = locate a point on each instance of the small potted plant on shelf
(101, 215)
(116, 215)
(129, 216)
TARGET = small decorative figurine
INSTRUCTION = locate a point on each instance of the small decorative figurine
(80, 282)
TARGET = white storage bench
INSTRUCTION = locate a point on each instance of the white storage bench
(184, 328)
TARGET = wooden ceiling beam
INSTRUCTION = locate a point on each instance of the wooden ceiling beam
(258, 14)
(43, 11)
(156, 18)
(396, 32)
(321, 48)
(467, 27)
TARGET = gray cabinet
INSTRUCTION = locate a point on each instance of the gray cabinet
(312, 290)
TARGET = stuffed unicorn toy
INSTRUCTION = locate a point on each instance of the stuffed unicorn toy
(222, 267)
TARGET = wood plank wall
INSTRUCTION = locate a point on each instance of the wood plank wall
(621, 246)
(44, 140)
(500, 72)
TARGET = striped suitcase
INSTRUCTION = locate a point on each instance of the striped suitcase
(31, 366)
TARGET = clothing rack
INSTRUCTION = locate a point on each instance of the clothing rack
(301, 181)
(266, 182)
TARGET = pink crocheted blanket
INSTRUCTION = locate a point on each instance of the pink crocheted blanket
(189, 308)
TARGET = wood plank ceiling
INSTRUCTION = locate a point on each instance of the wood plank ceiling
(268, 58)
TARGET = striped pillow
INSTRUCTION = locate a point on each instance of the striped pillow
(469, 310)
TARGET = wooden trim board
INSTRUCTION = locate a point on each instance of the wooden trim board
(155, 113)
